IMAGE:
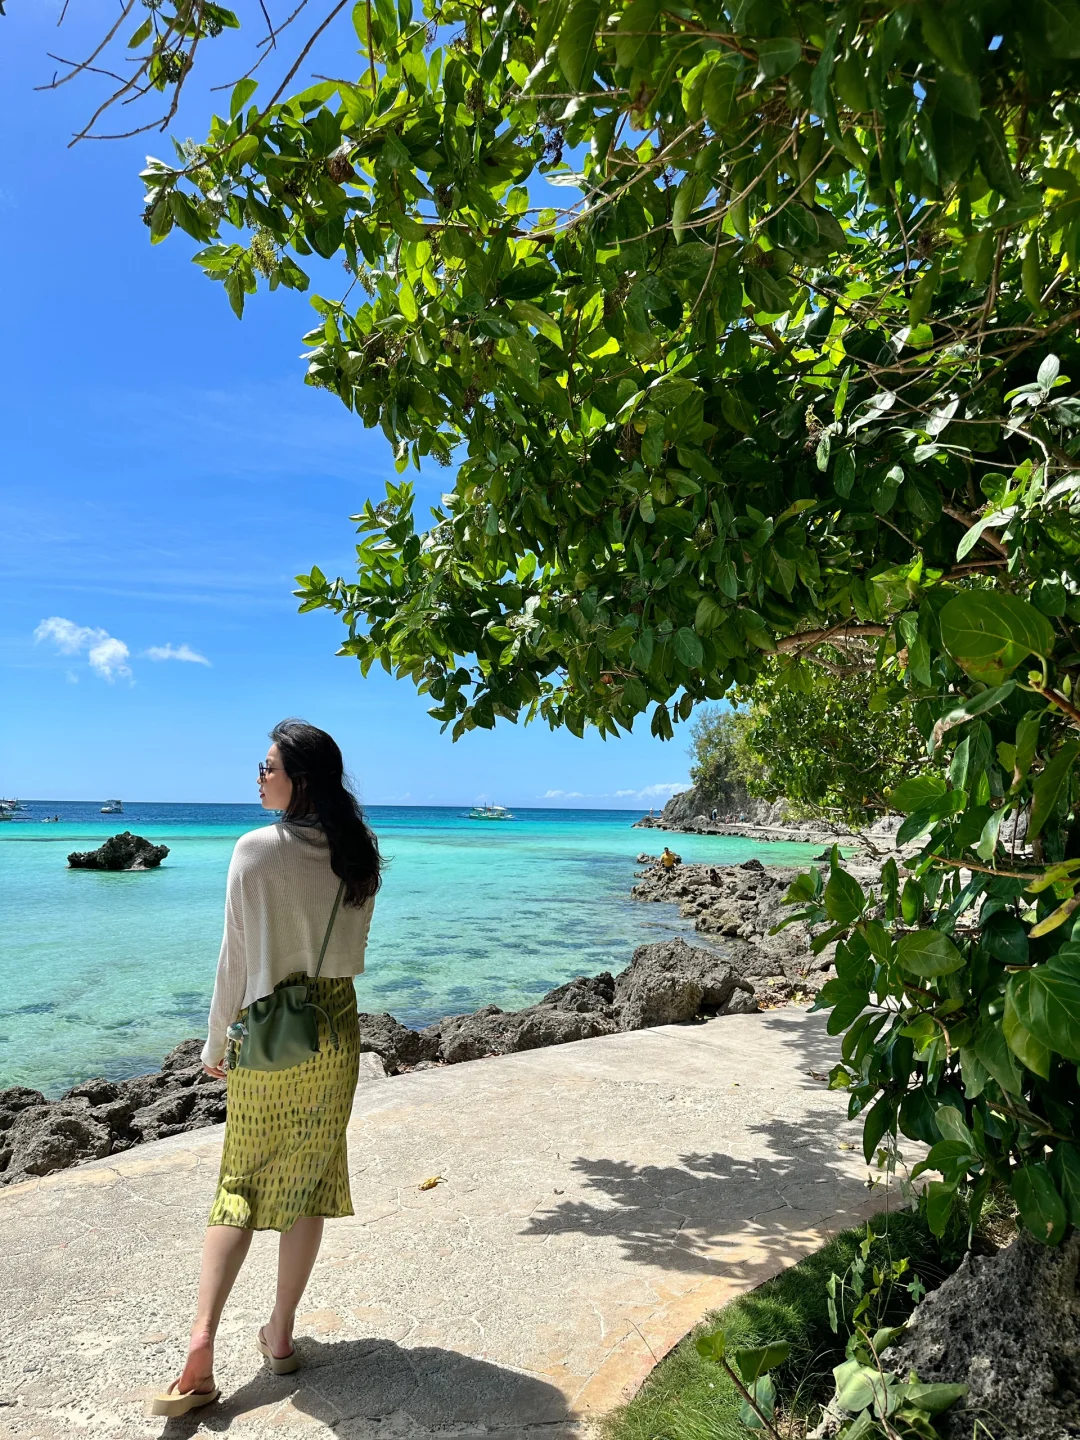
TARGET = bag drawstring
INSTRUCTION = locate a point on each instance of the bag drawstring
(326, 1017)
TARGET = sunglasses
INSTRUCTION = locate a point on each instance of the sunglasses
(264, 771)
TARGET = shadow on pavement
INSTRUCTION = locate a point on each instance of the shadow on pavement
(377, 1384)
(709, 1213)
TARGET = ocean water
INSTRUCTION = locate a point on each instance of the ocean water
(101, 974)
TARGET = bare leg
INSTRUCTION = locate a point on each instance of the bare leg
(297, 1251)
(225, 1249)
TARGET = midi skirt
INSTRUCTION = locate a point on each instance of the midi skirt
(285, 1153)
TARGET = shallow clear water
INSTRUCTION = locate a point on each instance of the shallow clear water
(101, 974)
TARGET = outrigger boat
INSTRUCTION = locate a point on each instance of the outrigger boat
(490, 812)
(114, 807)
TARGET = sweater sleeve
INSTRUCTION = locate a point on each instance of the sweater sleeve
(231, 980)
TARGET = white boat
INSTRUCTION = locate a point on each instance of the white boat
(114, 807)
(490, 812)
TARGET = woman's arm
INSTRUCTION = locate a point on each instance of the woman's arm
(231, 980)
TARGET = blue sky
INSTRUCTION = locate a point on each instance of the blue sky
(165, 474)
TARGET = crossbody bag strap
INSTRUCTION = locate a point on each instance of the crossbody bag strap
(326, 937)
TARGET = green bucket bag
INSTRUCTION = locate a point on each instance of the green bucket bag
(282, 1028)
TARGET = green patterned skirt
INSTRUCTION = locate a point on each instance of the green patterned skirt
(285, 1152)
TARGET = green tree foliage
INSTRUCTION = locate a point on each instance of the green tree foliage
(721, 764)
(793, 365)
(832, 744)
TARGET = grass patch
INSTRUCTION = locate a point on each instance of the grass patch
(689, 1398)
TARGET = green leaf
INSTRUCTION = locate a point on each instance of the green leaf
(1021, 1042)
(712, 1346)
(939, 1200)
(988, 634)
(721, 89)
(777, 57)
(993, 1054)
(761, 1358)
(844, 898)
(977, 705)
(242, 93)
(1046, 1001)
(577, 42)
(635, 31)
(641, 652)
(928, 953)
(407, 302)
(1048, 786)
(141, 34)
(688, 648)
(880, 1119)
(764, 1392)
(1041, 1207)
(858, 1387)
(933, 1397)
(919, 790)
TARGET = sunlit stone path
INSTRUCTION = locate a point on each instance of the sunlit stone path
(596, 1200)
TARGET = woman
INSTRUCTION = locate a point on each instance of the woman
(284, 1165)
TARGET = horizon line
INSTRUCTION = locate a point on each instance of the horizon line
(372, 804)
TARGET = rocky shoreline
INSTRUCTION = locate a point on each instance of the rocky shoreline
(669, 982)
(690, 812)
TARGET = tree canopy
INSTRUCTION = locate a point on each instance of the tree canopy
(789, 365)
(830, 745)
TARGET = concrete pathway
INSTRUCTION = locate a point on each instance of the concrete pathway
(597, 1199)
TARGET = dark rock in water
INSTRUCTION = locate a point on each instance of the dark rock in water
(120, 852)
(672, 982)
(102, 1117)
(1008, 1327)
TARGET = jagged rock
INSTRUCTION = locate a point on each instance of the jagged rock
(120, 852)
(185, 1056)
(102, 1117)
(587, 992)
(14, 1101)
(49, 1138)
(1008, 1327)
(492, 1031)
(670, 982)
(398, 1047)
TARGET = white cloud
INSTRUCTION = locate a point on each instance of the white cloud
(105, 654)
(109, 658)
(68, 637)
(648, 793)
(176, 652)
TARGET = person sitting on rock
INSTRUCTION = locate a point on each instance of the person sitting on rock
(669, 859)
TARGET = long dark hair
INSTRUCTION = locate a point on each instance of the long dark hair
(313, 763)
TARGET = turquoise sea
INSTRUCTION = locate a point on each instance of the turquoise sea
(101, 974)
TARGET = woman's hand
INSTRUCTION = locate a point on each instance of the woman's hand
(217, 1071)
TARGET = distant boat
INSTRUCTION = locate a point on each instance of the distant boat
(490, 812)
(114, 807)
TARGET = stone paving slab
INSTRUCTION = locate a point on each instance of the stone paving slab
(597, 1199)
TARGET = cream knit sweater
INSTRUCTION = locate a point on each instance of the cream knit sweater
(280, 893)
